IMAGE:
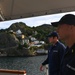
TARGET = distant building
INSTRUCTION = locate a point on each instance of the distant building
(26, 40)
(35, 42)
(42, 42)
(33, 39)
(35, 32)
(18, 32)
(12, 32)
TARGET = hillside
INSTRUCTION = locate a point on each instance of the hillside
(7, 40)
(9, 43)
(26, 30)
(42, 30)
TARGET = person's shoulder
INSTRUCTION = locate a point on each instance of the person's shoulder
(60, 44)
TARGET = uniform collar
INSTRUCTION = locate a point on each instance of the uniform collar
(70, 50)
(55, 43)
(73, 48)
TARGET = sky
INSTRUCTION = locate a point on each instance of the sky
(35, 21)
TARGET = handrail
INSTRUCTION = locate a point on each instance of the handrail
(10, 72)
(46, 69)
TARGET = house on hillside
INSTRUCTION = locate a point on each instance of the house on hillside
(42, 42)
(18, 32)
(35, 42)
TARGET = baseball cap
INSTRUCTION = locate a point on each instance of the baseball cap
(66, 19)
(53, 34)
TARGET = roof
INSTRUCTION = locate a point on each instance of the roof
(15, 9)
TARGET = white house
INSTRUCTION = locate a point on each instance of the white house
(18, 32)
(42, 42)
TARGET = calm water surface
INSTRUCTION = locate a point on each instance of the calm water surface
(30, 64)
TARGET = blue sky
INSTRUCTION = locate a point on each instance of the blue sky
(35, 21)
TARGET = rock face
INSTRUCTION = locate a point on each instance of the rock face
(9, 46)
(7, 40)
(17, 52)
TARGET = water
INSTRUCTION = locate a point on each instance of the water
(30, 64)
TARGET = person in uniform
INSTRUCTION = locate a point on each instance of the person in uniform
(55, 54)
(66, 30)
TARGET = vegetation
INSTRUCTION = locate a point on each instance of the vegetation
(41, 31)
(8, 39)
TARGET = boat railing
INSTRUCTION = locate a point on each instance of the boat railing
(12, 72)
(46, 70)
